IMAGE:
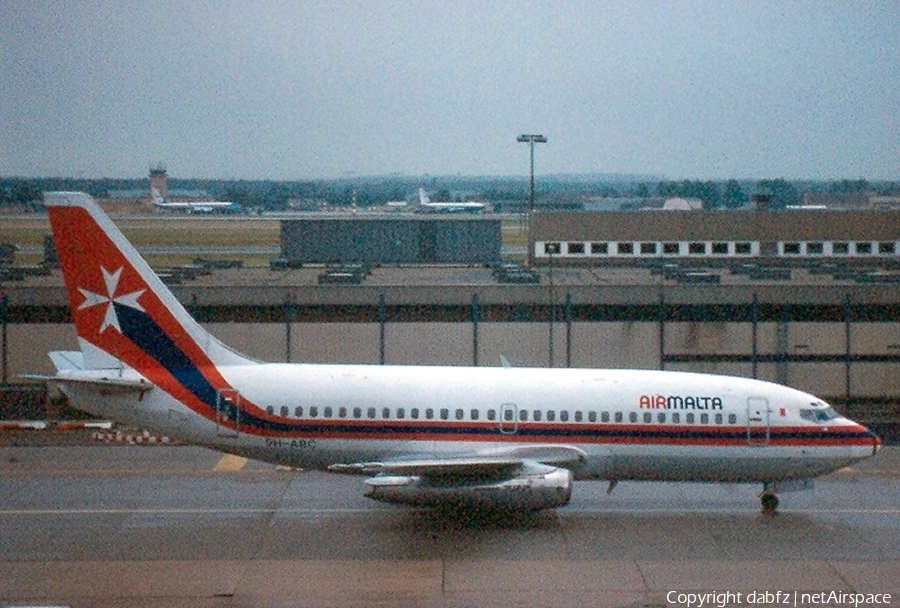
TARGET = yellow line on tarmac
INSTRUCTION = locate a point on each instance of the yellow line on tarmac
(229, 463)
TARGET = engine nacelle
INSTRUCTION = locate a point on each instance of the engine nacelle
(530, 490)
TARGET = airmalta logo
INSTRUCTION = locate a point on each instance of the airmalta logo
(110, 299)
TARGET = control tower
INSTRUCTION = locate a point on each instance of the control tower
(158, 179)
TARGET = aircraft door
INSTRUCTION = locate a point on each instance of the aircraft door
(228, 412)
(509, 418)
(757, 421)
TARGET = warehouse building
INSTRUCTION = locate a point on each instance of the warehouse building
(386, 240)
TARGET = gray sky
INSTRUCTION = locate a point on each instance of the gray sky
(294, 90)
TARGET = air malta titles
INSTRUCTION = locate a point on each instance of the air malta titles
(679, 402)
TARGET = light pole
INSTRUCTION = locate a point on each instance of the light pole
(531, 139)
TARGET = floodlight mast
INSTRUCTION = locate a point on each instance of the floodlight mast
(531, 139)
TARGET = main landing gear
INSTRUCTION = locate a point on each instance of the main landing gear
(768, 499)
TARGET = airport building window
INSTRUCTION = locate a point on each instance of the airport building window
(625, 248)
(599, 248)
(671, 249)
(314, 412)
(492, 414)
(864, 249)
(460, 414)
(676, 417)
(648, 248)
(298, 412)
(618, 417)
(886, 248)
(575, 248)
(719, 248)
(604, 416)
(414, 413)
(743, 249)
(592, 416)
(564, 416)
(474, 414)
(552, 248)
(791, 248)
(815, 248)
(445, 414)
(689, 418)
(329, 412)
(648, 417)
(523, 415)
(840, 248)
(697, 248)
(632, 417)
(429, 413)
(704, 418)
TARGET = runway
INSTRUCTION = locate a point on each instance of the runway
(127, 526)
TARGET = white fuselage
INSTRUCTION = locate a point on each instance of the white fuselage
(630, 424)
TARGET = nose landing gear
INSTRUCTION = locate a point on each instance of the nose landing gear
(768, 499)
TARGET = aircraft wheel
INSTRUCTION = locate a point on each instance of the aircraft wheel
(769, 503)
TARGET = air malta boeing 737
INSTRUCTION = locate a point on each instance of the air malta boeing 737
(430, 436)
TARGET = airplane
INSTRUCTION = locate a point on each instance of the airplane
(461, 437)
(427, 205)
(194, 206)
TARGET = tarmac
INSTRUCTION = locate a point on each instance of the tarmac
(121, 526)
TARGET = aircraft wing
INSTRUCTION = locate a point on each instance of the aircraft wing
(521, 477)
(106, 385)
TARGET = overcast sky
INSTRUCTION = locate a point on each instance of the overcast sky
(295, 90)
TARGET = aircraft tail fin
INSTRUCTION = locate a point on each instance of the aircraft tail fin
(124, 315)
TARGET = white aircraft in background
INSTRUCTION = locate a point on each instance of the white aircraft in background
(194, 206)
(498, 437)
(427, 205)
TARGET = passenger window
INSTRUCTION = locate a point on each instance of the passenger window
(357, 412)
(429, 413)
(314, 411)
(445, 413)
(676, 417)
(298, 412)
(371, 412)
(523, 415)
(592, 416)
(618, 417)
(632, 417)
(386, 413)
(704, 418)
(648, 417)
(401, 413)
(342, 412)
(270, 410)
(551, 416)
(492, 414)
(718, 418)
(508, 415)
(474, 414)
(537, 415)
(414, 413)
(689, 418)
(604, 416)
(564, 416)
(459, 414)
(661, 417)
(578, 417)
(732, 418)
(329, 412)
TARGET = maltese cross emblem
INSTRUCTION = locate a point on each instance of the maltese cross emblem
(111, 279)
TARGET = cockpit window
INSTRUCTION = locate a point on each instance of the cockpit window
(823, 414)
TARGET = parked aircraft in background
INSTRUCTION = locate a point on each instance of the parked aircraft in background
(427, 205)
(498, 436)
(195, 206)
